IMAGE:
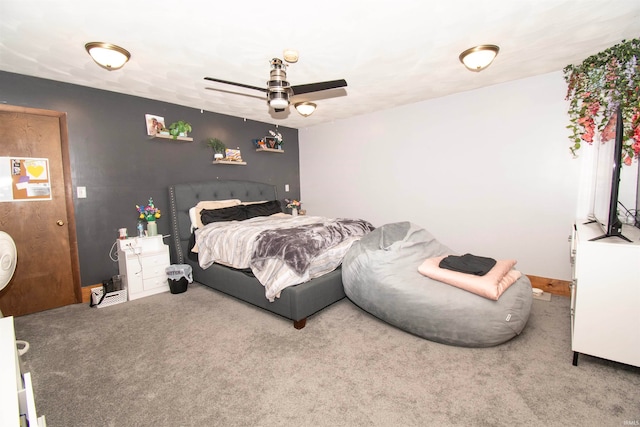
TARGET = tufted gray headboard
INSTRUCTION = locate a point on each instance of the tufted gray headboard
(183, 197)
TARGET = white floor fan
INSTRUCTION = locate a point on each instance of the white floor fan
(8, 260)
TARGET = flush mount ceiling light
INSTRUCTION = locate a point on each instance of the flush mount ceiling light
(107, 55)
(306, 108)
(480, 57)
(290, 55)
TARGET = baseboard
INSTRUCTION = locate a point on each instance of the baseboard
(553, 286)
(86, 292)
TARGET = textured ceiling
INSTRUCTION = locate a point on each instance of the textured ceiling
(391, 52)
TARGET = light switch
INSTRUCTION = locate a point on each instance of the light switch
(82, 192)
(286, 188)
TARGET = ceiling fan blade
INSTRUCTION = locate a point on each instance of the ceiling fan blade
(261, 89)
(317, 87)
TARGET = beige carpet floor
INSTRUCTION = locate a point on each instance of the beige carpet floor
(204, 359)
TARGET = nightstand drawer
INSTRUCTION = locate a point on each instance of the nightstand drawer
(155, 283)
(154, 266)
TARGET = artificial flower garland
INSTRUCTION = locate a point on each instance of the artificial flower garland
(596, 88)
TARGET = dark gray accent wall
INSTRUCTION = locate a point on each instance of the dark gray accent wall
(120, 166)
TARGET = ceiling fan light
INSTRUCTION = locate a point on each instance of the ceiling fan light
(278, 103)
(479, 57)
(305, 108)
(107, 55)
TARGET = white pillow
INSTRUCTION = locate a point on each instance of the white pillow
(194, 212)
(192, 218)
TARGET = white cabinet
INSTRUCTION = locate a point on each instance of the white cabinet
(17, 402)
(605, 294)
(143, 261)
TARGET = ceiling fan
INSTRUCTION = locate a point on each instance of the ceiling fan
(278, 88)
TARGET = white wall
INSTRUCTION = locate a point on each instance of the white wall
(627, 192)
(487, 171)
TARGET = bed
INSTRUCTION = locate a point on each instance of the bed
(296, 302)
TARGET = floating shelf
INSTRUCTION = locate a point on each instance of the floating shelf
(177, 138)
(228, 162)
(270, 150)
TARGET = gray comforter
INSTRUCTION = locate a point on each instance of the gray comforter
(280, 250)
(299, 246)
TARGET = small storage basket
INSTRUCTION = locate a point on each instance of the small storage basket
(179, 276)
(112, 298)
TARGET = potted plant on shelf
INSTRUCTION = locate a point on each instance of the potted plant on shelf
(179, 128)
(218, 148)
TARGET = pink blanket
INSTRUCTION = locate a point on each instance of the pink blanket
(490, 286)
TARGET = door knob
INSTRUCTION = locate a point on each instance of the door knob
(60, 222)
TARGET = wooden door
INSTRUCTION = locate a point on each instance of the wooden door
(47, 272)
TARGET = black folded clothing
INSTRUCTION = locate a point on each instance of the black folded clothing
(467, 263)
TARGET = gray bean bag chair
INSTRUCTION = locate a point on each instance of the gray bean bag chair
(380, 275)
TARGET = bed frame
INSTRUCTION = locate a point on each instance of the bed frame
(296, 302)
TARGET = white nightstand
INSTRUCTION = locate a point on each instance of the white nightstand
(142, 261)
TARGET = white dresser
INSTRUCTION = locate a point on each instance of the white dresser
(143, 261)
(605, 294)
(17, 403)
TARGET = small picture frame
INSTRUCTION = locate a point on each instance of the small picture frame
(270, 142)
(154, 124)
(233, 155)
